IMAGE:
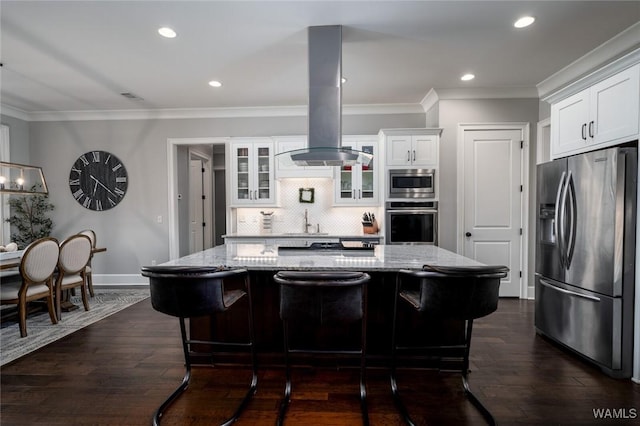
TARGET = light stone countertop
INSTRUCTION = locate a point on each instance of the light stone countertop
(257, 257)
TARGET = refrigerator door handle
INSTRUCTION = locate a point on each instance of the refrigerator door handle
(569, 292)
(559, 212)
(572, 219)
(563, 221)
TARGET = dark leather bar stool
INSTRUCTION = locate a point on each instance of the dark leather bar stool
(188, 292)
(320, 298)
(447, 292)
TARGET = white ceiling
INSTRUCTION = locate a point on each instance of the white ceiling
(79, 56)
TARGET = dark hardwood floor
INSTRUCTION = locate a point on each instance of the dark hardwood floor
(117, 371)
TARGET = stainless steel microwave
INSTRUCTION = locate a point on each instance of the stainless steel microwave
(412, 183)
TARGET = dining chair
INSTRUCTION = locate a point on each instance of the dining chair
(195, 291)
(320, 298)
(92, 236)
(75, 253)
(442, 293)
(35, 280)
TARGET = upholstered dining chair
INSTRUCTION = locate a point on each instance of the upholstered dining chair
(35, 280)
(74, 256)
(446, 292)
(92, 236)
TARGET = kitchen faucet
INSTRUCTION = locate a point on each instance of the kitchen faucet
(306, 221)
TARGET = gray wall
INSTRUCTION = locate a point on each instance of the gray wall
(19, 137)
(130, 231)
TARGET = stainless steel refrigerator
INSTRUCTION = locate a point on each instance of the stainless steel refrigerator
(585, 255)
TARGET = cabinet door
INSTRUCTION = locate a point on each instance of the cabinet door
(358, 184)
(569, 124)
(346, 184)
(398, 150)
(368, 189)
(252, 174)
(614, 106)
(424, 152)
(263, 184)
(241, 174)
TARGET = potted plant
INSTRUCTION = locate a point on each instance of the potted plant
(29, 219)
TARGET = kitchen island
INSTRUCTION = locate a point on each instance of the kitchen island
(381, 262)
(383, 258)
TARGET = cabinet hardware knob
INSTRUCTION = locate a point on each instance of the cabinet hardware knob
(468, 234)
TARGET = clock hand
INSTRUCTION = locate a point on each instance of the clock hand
(100, 183)
(95, 187)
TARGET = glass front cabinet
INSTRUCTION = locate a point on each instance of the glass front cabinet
(252, 166)
(358, 184)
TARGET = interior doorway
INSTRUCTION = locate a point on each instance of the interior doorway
(179, 158)
(492, 194)
(201, 201)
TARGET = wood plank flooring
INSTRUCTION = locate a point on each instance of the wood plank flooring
(117, 371)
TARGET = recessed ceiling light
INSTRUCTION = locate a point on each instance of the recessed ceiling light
(467, 77)
(215, 83)
(525, 21)
(167, 32)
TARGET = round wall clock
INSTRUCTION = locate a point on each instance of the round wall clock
(98, 180)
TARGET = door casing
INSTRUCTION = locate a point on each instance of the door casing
(525, 292)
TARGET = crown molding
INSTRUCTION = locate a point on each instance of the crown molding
(616, 48)
(429, 100)
(189, 113)
(14, 112)
(487, 93)
(435, 95)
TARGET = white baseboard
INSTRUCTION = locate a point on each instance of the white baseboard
(120, 280)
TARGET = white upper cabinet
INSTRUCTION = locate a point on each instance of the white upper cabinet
(415, 148)
(286, 169)
(358, 185)
(252, 182)
(605, 114)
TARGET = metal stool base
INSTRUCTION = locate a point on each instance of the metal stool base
(187, 378)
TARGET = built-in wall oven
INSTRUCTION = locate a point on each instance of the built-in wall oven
(411, 222)
(412, 183)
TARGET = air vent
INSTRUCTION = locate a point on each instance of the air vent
(131, 96)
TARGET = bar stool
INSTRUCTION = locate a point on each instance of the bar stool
(320, 298)
(447, 292)
(187, 292)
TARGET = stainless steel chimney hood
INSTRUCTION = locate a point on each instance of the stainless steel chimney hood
(325, 105)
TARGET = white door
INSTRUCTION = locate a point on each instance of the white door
(196, 210)
(493, 201)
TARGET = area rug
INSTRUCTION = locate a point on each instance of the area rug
(41, 332)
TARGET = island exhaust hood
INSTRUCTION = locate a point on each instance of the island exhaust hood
(325, 105)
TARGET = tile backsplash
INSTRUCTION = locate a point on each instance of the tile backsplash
(289, 216)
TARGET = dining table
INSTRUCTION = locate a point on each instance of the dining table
(14, 262)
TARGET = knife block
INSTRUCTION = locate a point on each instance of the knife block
(373, 229)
